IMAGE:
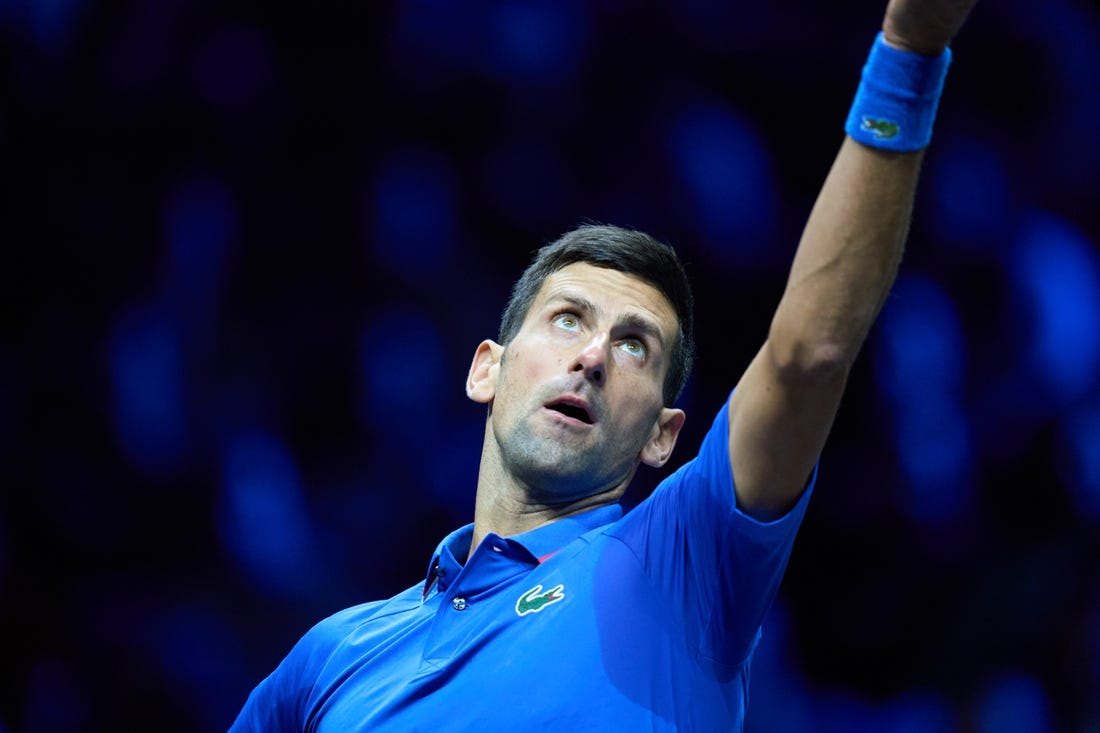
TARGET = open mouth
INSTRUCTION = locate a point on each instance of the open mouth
(570, 410)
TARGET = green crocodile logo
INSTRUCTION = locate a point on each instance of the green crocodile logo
(881, 129)
(535, 600)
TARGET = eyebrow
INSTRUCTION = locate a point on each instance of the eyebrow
(631, 321)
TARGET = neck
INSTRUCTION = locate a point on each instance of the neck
(506, 505)
(505, 516)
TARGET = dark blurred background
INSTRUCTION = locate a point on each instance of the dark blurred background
(250, 247)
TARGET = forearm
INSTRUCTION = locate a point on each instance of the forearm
(846, 260)
(853, 241)
(784, 405)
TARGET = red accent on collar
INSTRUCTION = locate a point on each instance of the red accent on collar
(547, 556)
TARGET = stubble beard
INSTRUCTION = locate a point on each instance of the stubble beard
(554, 469)
(558, 469)
(554, 464)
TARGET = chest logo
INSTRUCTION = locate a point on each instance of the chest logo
(535, 600)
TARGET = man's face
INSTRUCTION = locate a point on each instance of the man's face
(577, 395)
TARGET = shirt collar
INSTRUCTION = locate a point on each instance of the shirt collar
(549, 538)
(541, 542)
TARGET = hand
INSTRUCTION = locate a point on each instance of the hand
(924, 26)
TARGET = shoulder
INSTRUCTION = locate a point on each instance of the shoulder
(330, 631)
(284, 700)
(707, 477)
(322, 643)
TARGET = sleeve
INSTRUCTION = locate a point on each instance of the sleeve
(281, 702)
(696, 546)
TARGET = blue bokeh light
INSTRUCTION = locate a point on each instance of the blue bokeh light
(934, 445)
(413, 215)
(728, 176)
(524, 42)
(969, 196)
(919, 346)
(452, 475)
(402, 360)
(1058, 272)
(536, 40)
(1014, 703)
(200, 221)
(264, 519)
(1081, 441)
(147, 379)
(780, 699)
(843, 711)
(920, 364)
(51, 23)
(917, 711)
(435, 40)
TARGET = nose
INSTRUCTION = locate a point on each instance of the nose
(592, 358)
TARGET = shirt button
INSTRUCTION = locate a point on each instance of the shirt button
(458, 604)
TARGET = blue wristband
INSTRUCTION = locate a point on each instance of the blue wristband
(895, 105)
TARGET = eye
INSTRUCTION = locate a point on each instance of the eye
(634, 347)
(568, 321)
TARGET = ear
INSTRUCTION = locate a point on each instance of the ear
(481, 382)
(663, 437)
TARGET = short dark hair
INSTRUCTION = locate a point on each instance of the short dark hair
(628, 251)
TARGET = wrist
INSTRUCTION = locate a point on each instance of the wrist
(898, 95)
(895, 41)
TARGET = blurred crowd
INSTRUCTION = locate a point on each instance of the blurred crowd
(250, 249)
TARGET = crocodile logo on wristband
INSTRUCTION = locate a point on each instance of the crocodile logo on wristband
(880, 129)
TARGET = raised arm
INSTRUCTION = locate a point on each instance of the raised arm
(784, 405)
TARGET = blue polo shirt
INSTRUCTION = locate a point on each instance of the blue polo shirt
(596, 622)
